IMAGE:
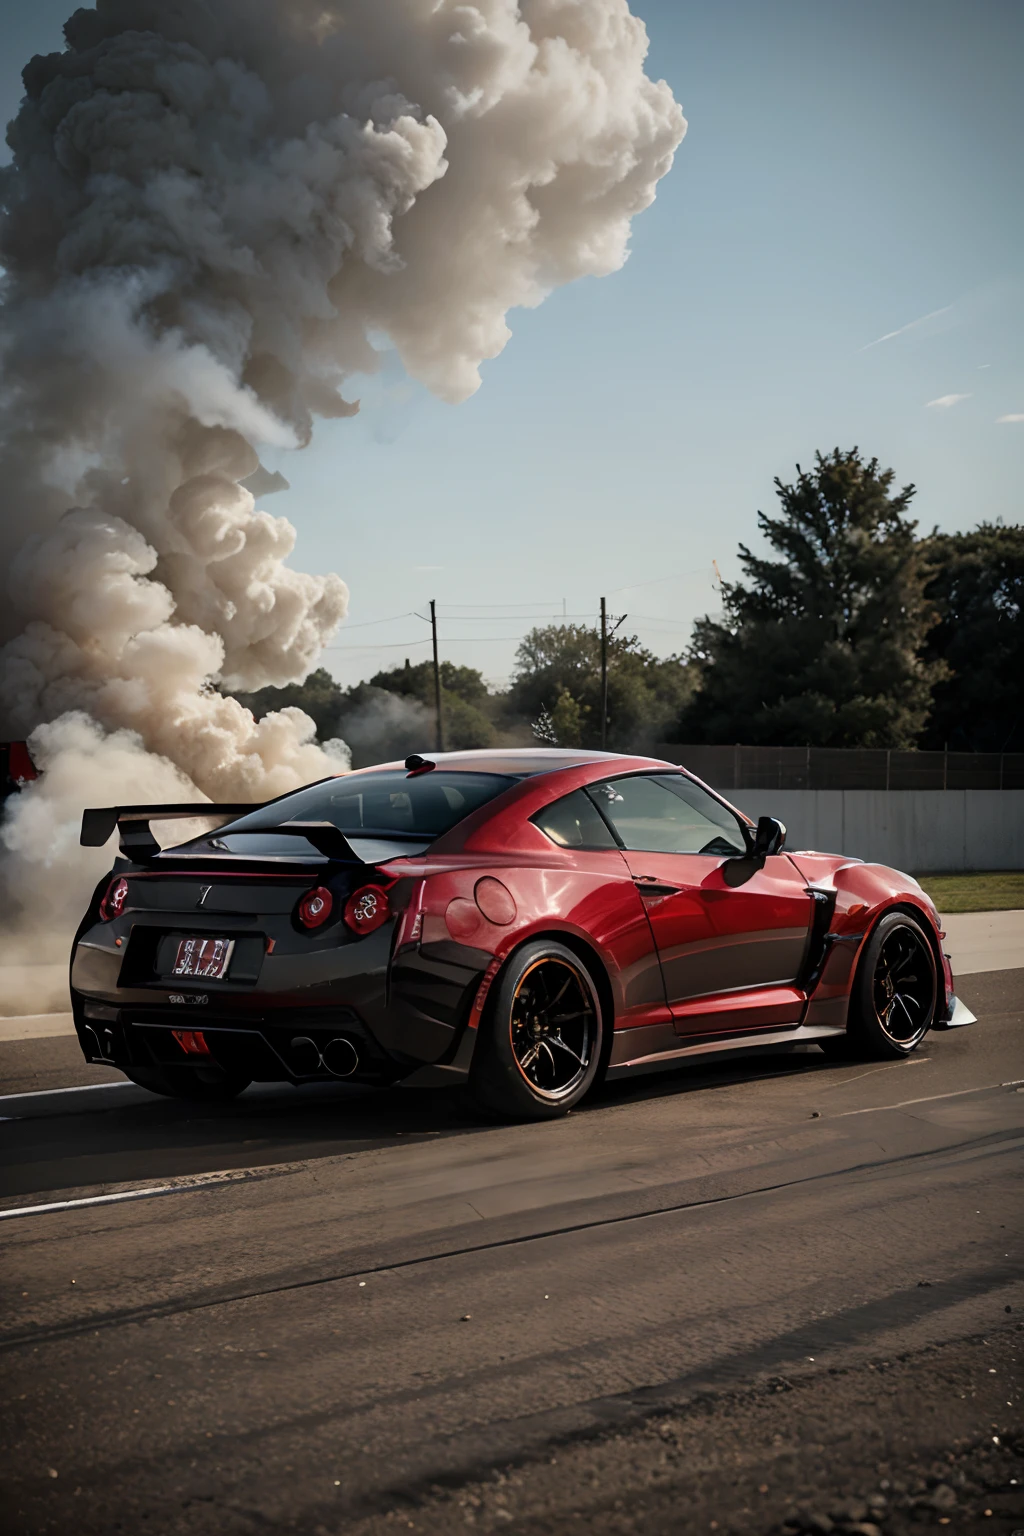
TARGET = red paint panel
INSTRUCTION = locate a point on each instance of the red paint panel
(590, 896)
(495, 901)
(768, 1008)
(464, 921)
(714, 938)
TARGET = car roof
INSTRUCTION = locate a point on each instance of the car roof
(522, 762)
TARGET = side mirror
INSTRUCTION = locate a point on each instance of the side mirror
(769, 838)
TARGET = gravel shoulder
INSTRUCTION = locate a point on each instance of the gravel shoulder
(925, 1441)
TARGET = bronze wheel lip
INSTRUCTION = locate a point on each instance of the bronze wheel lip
(584, 1056)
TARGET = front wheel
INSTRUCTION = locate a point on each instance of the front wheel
(185, 1083)
(542, 1037)
(895, 991)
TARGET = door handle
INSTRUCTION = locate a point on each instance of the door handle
(650, 885)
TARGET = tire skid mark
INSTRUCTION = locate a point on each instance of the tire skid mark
(992, 1143)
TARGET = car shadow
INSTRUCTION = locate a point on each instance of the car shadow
(703, 1074)
(121, 1134)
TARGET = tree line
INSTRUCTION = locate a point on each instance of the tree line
(853, 632)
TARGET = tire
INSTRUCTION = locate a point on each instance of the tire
(523, 1066)
(895, 991)
(185, 1083)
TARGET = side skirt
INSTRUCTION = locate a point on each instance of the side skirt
(719, 1045)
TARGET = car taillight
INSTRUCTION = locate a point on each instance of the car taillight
(315, 907)
(367, 908)
(113, 902)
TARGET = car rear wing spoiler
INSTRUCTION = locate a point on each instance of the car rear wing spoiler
(137, 841)
(132, 823)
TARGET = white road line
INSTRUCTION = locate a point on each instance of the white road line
(72, 1205)
(181, 1187)
(908, 1061)
(873, 1109)
(46, 1093)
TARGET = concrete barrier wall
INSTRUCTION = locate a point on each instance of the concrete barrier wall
(911, 829)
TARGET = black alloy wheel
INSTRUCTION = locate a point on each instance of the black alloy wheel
(553, 1027)
(903, 985)
(542, 1037)
(896, 990)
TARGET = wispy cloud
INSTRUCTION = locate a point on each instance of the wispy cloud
(1017, 416)
(983, 365)
(944, 402)
(910, 326)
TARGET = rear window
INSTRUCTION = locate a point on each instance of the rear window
(381, 804)
(574, 822)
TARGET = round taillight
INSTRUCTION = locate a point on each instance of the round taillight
(367, 908)
(113, 902)
(315, 907)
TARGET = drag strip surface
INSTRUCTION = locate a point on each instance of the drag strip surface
(352, 1297)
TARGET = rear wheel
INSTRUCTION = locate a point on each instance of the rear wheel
(895, 991)
(185, 1083)
(542, 1038)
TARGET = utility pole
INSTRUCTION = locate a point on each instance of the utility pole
(437, 678)
(604, 674)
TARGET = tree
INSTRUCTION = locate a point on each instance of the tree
(822, 647)
(465, 702)
(567, 719)
(558, 670)
(976, 581)
(417, 681)
(392, 714)
(320, 696)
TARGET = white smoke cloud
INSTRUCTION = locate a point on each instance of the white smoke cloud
(387, 726)
(47, 874)
(213, 208)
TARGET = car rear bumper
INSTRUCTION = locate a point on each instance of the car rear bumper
(397, 1013)
(324, 1044)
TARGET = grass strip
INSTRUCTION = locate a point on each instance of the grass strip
(996, 890)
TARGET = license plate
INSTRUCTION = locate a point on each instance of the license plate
(203, 957)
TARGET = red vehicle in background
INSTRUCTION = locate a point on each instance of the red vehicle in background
(16, 767)
(527, 922)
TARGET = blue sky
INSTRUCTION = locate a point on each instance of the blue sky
(849, 169)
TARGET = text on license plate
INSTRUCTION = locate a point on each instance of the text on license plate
(202, 957)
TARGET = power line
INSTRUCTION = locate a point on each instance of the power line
(697, 570)
(536, 603)
(649, 621)
(366, 623)
(390, 645)
(405, 645)
(502, 618)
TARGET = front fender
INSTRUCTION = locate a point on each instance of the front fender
(864, 893)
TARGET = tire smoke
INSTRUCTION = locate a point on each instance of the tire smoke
(216, 212)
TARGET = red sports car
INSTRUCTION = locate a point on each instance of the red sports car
(528, 922)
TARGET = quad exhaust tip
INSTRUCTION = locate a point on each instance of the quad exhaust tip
(101, 1042)
(339, 1057)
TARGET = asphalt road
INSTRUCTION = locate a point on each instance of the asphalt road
(713, 1300)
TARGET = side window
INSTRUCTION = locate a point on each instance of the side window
(668, 814)
(573, 822)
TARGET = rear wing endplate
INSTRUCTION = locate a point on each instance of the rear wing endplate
(132, 823)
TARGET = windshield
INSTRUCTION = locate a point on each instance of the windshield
(381, 804)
